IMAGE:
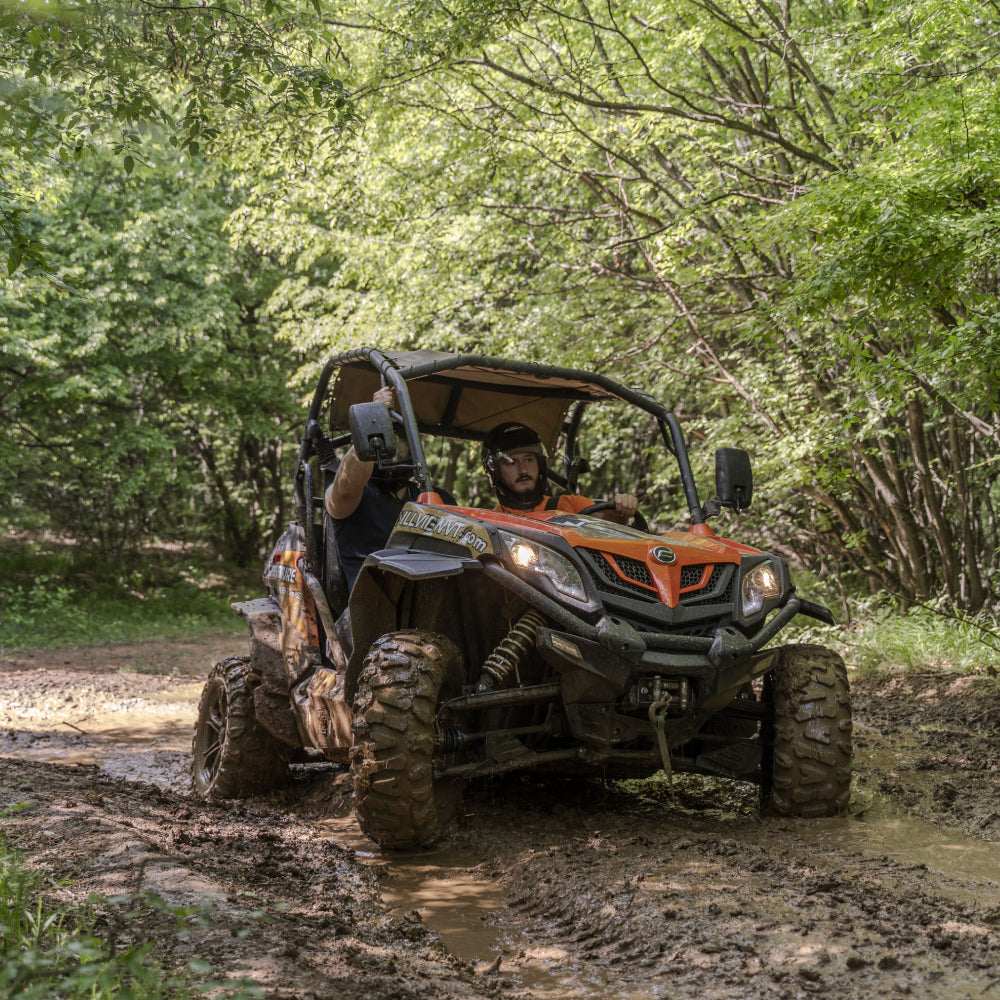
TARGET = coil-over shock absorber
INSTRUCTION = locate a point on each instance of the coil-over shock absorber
(503, 662)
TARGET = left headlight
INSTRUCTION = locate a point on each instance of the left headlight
(759, 584)
(557, 569)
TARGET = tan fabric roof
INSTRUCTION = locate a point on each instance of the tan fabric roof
(469, 400)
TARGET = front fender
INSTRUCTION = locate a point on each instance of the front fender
(378, 595)
(419, 565)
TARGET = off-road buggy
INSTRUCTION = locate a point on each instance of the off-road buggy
(479, 642)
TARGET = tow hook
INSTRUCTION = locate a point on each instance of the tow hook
(658, 716)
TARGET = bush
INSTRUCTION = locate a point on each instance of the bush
(52, 596)
(880, 637)
(53, 953)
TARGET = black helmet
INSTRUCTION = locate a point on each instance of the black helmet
(505, 438)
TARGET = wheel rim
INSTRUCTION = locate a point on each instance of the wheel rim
(213, 734)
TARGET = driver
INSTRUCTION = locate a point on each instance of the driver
(514, 462)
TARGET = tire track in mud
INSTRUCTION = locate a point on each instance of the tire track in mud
(735, 906)
(600, 891)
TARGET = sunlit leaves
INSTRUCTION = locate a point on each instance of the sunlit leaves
(109, 73)
(781, 219)
(143, 392)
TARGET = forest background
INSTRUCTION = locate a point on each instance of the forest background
(779, 218)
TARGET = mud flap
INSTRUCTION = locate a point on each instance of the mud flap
(323, 712)
(314, 688)
(270, 700)
(272, 712)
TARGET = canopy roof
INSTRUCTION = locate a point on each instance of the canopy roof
(465, 396)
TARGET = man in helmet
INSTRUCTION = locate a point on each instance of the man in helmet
(514, 462)
(364, 500)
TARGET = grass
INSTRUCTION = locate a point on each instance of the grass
(51, 595)
(880, 637)
(50, 952)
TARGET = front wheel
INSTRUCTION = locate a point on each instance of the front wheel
(807, 743)
(397, 800)
(233, 755)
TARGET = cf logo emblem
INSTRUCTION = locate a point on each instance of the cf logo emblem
(664, 555)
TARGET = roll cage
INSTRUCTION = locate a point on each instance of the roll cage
(464, 396)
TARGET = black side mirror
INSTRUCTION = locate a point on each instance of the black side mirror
(371, 432)
(733, 478)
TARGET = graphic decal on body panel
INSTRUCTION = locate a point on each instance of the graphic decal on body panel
(417, 520)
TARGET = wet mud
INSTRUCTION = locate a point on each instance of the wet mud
(546, 887)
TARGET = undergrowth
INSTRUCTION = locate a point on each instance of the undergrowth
(53, 952)
(880, 637)
(53, 595)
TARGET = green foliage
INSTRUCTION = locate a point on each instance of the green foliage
(54, 953)
(883, 638)
(781, 223)
(781, 228)
(49, 613)
(875, 634)
(144, 394)
(56, 596)
(92, 76)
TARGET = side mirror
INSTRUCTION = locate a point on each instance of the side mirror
(371, 432)
(733, 478)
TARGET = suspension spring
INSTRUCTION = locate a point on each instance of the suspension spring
(503, 662)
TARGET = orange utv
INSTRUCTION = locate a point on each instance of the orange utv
(478, 642)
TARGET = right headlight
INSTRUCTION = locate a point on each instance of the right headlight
(556, 568)
(759, 584)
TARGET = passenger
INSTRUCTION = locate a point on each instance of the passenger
(364, 500)
(514, 462)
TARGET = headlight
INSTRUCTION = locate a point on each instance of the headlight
(761, 583)
(557, 569)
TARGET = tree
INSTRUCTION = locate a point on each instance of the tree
(90, 74)
(144, 392)
(779, 218)
(788, 226)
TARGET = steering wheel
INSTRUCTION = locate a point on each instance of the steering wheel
(638, 521)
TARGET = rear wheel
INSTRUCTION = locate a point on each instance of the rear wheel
(398, 802)
(807, 745)
(233, 755)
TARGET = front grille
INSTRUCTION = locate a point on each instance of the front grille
(718, 590)
(636, 571)
(629, 599)
(610, 582)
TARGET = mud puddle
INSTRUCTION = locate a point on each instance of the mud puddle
(131, 748)
(451, 901)
(972, 866)
(544, 889)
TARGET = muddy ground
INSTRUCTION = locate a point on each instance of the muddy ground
(545, 888)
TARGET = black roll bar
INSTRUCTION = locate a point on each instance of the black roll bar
(397, 377)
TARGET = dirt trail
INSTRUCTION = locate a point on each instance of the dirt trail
(546, 888)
